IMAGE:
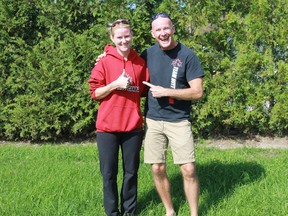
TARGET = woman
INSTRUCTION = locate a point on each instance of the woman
(116, 81)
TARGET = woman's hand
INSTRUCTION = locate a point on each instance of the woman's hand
(123, 81)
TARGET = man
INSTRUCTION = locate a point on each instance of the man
(175, 79)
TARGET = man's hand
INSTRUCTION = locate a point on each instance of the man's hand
(100, 57)
(157, 91)
(194, 92)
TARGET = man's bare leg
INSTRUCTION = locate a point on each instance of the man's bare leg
(191, 186)
(162, 184)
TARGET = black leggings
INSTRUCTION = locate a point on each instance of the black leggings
(108, 148)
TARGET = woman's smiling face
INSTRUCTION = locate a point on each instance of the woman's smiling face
(122, 38)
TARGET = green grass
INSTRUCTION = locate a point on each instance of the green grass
(65, 180)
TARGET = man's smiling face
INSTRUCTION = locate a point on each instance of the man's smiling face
(162, 31)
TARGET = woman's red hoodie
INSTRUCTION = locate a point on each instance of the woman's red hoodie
(120, 110)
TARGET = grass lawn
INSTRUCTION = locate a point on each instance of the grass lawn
(65, 180)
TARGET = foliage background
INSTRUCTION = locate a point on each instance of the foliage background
(48, 48)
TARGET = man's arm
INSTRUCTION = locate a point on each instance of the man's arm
(195, 91)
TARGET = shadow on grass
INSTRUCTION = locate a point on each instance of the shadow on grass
(217, 182)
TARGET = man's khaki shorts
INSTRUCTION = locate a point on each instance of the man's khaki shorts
(161, 133)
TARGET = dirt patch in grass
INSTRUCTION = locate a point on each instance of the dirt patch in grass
(222, 143)
(255, 142)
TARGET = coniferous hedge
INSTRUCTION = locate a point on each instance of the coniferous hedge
(48, 48)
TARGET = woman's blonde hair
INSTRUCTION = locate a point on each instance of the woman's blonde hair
(120, 23)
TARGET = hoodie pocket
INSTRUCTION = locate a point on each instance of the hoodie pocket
(119, 119)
